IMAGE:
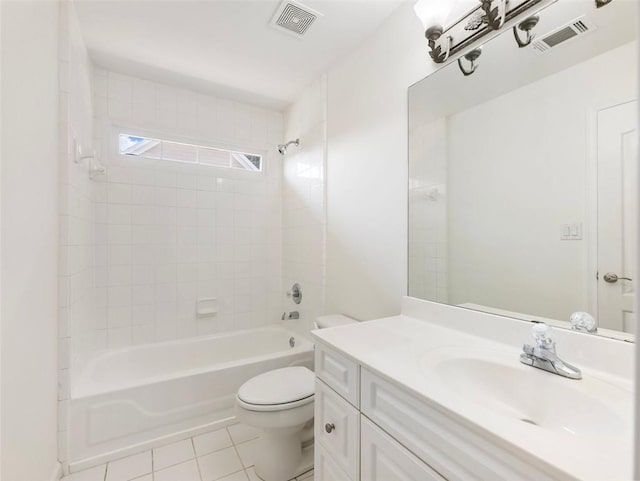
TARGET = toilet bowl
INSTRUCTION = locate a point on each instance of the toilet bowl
(280, 404)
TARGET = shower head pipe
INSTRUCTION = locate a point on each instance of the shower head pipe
(282, 148)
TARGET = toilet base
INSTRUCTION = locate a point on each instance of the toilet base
(305, 464)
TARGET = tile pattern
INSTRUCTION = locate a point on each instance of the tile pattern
(223, 455)
(169, 233)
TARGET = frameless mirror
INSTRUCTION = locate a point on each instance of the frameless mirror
(523, 176)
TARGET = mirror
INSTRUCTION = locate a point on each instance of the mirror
(523, 176)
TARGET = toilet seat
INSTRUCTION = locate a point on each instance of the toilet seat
(278, 390)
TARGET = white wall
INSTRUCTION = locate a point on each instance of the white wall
(545, 184)
(29, 239)
(367, 168)
(168, 233)
(303, 203)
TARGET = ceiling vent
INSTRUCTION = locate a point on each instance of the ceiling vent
(571, 30)
(294, 18)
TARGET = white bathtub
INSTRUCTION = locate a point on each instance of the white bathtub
(131, 399)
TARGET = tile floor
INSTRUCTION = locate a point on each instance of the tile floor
(223, 455)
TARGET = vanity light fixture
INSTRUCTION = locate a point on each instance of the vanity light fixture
(434, 15)
(495, 12)
(526, 26)
(440, 47)
(471, 56)
(602, 3)
(453, 28)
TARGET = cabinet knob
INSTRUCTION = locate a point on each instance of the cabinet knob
(329, 427)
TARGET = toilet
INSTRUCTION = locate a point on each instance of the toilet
(280, 404)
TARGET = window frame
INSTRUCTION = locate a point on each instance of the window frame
(222, 171)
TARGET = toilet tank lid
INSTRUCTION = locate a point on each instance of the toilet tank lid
(279, 386)
(333, 320)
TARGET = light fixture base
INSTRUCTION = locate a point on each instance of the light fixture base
(526, 26)
(434, 33)
(471, 57)
(529, 24)
(440, 47)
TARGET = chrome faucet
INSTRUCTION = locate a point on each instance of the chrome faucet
(543, 354)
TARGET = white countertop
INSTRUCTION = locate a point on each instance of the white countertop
(395, 348)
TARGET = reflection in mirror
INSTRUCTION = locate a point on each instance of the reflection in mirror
(523, 176)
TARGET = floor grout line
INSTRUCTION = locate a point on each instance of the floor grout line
(193, 446)
(243, 469)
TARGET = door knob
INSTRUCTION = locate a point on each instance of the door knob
(329, 427)
(612, 278)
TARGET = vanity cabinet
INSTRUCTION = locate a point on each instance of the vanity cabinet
(340, 373)
(337, 429)
(326, 468)
(348, 446)
(370, 429)
(384, 459)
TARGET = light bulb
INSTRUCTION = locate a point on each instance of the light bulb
(433, 12)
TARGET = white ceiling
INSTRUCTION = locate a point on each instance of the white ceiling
(225, 47)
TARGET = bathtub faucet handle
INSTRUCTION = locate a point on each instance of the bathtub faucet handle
(295, 293)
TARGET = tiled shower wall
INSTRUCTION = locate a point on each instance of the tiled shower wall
(303, 207)
(76, 254)
(168, 233)
(428, 266)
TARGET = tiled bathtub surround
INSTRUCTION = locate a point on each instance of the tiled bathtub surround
(169, 233)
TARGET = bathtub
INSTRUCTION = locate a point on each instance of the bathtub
(128, 400)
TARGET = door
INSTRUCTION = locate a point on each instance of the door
(617, 194)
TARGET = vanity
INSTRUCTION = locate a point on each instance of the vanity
(438, 393)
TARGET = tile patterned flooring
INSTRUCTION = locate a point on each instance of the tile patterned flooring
(223, 455)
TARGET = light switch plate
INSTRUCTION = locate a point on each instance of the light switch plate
(571, 231)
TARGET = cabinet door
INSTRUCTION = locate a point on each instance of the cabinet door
(325, 467)
(340, 373)
(383, 459)
(337, 429)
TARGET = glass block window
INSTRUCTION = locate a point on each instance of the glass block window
(137, 146)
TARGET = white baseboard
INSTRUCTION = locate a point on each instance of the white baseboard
(56, 473)
(80, 464)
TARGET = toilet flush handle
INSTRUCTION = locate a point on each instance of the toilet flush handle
(329, 427)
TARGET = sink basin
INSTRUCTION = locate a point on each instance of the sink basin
(496, 381)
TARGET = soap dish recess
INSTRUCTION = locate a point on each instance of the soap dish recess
(207, 306)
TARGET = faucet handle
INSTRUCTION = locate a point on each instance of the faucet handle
(541, 333)
(583, 322)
